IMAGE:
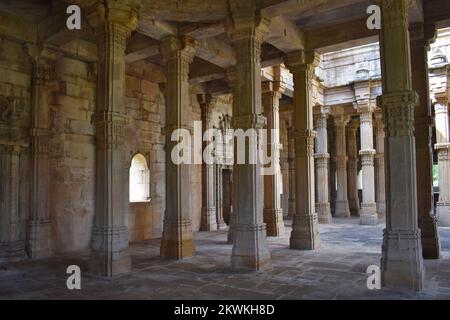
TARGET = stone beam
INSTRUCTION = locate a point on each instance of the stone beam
(156, 29)
(216, 52)
(201, 30)
(337, 36)
(285, 35)
(18, 29)
(141, 47)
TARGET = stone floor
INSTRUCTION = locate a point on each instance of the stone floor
(336, 271)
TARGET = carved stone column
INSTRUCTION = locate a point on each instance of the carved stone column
(369, 214)
(420, 36)
(208, 217)
(340, 122)
(443, 147)
(273, 213)
(322, 162)
(352, 167)
(113, 23)
(291, 158)
(12, 225)
(247, 29)
(401, 263)
(177, 240)
(305, 228)
(380, 194)
(40, 226)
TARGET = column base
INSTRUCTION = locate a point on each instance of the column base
(324, 213)
(354, 207)
(443, 214)
(305, 233)
(12, 251)
(39, 241)
(110, 256)
(369, 214)
(250, 250)
(176, 246)
(273, 218)
(431, 246)
(342, 209)
(208, 221)
(401, 262)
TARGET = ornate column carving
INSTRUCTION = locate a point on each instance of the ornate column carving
(443, 146)
(352, 167)
(369, 214)
(273, 213)
(322, 162)
(113, 23)
(340, 122)
(305, 229)
(177, 241)
(420, 45)
(209, 215)
(247, 28)
(40, 226)
(12, 224)
(380, 194)
(401, 263)
(291, 158)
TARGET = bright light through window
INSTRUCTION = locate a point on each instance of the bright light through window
(139, 179)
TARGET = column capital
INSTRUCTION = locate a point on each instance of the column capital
(298, 61)
(246, 21)
(173, 47)
(272, 88)
(365, 106)
(113, 12)
(422, 35)
(442, 100)
(353, 126)
(339, 117)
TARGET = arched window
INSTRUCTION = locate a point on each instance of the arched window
(139, 179)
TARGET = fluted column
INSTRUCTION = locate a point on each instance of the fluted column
(420, 40)
(443, 147)
(401, 263)
(113, 23)
(380, 194)
(208, 221)
(177, 240)
(247, 29)
(352, 167)
(340, 122)
(40, 226)
(368, 215)
(322, 161)
(305, 229)
(273, 213)
(291, 164)
(12, 224)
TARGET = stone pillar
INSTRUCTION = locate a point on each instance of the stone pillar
(177, 240)
(113, 23)
(12, 225)
(291, 158)
(40, 226)
(322, 162)
(247, 29)
(305, 229)
(401, 263)
(219, 197)
(208, 216)
(273, 213)
(420, 36)
(443, 146)
(231, 80)
(352, 167)
(369, 214)
(340, 122)
(380, 193)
